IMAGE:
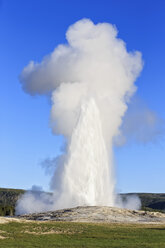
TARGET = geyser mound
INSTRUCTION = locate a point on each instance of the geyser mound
(99, 214)
(91, 79)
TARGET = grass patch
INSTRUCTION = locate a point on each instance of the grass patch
(67, 234)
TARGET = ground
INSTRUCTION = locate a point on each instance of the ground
(49, 234)
(98, 214)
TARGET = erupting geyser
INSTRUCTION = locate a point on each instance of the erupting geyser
(87, 175)
(91, 79)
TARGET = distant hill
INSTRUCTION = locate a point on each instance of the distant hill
(9, 197)
(150, 201)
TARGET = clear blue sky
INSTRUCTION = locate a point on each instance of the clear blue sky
(29, 30)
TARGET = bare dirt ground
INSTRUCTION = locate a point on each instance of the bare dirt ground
(4, 220)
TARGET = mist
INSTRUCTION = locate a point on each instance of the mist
(91, 79)
(141, 125)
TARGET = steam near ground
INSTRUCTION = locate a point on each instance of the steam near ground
(91, 79)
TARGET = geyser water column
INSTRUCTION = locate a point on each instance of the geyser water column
(90, 79)
(87, 176)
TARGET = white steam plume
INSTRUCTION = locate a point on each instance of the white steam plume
(91, 79)
(141, 125)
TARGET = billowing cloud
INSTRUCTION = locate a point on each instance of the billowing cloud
(140, 124)
(90, 80)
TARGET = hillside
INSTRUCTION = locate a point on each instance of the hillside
(150, 201)
(8, 198)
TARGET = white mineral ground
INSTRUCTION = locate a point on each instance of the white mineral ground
(94, 214)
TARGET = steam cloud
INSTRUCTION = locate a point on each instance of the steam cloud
(91, 79)
(141, 124)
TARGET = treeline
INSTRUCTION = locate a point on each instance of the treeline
(150, 201)
(9, 197)
(7, 210)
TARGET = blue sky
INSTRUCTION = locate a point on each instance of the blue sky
(30, 30)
